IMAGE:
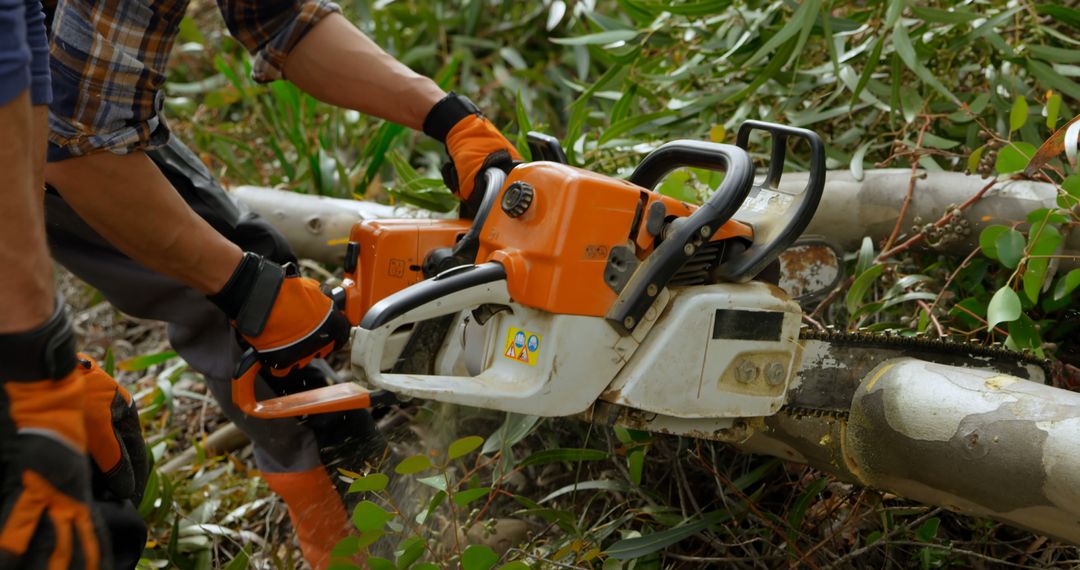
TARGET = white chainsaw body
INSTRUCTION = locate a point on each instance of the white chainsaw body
(678, 362)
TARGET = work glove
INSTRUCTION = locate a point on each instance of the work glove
(115, 442)
(286, 318)
(474, 145)
(45, 517)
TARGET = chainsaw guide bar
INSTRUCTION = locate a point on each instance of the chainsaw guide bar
(834, 363)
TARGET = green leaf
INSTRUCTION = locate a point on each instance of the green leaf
(241, 560)
(1052, 79)
(988, 240)
(369, 516)
(802, 18)
(955, 16)
(1004, 307)
(631, 123)
(607, 37)
(477, 557)
(866, 255)
(547, 456)
(1019, 114)
(856, 166)
(974, 159)
(408, 552)
(1054, 54)
(1014, 157)
(597, 485)
(145, 361)
(373, 482)
(414, 464)
(432, 505)
(1060, 13)
(630, 548)
(871, 64)
(1010, 248)
(1067, 284)
(1024, 335)
(109, 365)
(1053, 108)
(861, 286)
(513, 429)
(906, 51)
(515, 565)
(934, 141)
(380, 563)
(635, 464)
(964, 310)
(928, 530)
(464, 446)
(1047, 239)
(346, 547)
(467, 496)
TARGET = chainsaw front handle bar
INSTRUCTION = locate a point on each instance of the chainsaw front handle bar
(775, 229)
(328, 399)
(452, 291)
(469, 245)
(656, 271)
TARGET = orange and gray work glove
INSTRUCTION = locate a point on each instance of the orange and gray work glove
(474, 145)
(115, 442)
(45, 518)
(286, 318)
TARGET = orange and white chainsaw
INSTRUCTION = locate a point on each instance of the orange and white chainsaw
(572, 293)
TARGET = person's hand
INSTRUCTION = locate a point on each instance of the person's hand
(45, 517)
(287, 319)
(114, 438)
(474, 145)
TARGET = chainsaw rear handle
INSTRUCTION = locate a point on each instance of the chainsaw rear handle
(774, 231)
(328, 399)
(679, 246)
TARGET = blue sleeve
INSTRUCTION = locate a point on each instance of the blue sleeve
(40, 82)
(14, 51)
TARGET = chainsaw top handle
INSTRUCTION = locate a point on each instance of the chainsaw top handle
(775, 229)
(679, 246)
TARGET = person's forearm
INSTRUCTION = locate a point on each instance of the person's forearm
(26, 287)
(338, 64)
(127, 200)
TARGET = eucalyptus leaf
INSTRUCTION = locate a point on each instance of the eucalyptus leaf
(1004, 307)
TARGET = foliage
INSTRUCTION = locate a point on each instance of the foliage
(937, 85)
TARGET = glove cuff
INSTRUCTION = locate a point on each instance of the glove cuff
(446, 113)
(249, 295)
(43, 353)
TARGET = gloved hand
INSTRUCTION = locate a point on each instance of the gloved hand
(45, 518)
(115, 439)
(474, 145)
(287, 319)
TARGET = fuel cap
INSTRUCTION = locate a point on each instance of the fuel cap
(517, 199)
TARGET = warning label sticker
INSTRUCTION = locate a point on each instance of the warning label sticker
(522, 346)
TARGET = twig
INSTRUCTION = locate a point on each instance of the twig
(952, 277)
(911, 188)
(750, 504)
(921, 236)
(937, 325)
(954, 550)
(864, 549)
(811, 320)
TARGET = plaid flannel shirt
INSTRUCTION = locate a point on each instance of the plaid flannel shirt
(108, 61)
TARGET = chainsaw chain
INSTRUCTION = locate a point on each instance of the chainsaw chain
(898, 342)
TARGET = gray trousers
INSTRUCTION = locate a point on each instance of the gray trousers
(198, 330)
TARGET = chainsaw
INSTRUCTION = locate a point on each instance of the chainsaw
(573, 293)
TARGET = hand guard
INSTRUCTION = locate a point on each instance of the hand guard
(120, 464)
(474, 145)
(287, 319)
(45, 518)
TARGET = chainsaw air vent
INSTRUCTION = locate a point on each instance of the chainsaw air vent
(696, 269)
